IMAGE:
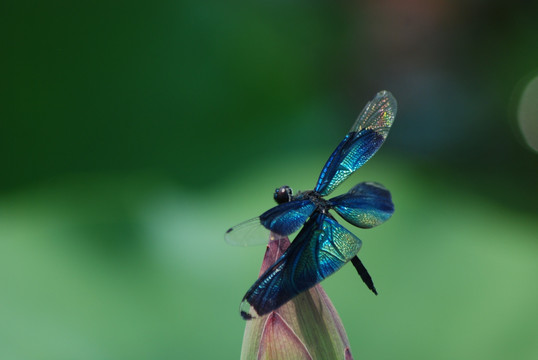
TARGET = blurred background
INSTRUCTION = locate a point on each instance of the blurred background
(133, 134)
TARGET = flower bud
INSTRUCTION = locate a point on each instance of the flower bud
(306, 327)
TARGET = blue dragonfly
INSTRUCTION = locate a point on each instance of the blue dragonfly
(322, 246)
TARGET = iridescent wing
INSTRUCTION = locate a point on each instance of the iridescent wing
(283, 219)
(360, 144)
(287, 218)
(322, 247)
(366, 205)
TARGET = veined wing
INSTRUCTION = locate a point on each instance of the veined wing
(247, 233)
(366, 205)
(322, 247)
(360, 144)
(283, 219)
(286, 218)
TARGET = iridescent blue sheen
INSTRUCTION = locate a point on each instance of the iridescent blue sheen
(322, 247)
(353, 152)
(286, 218)
(360, 144)
(366, 205)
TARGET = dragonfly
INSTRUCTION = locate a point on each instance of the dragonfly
(322, 246)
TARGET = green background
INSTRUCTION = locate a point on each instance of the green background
(133, 134)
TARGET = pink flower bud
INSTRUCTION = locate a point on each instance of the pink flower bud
(306, 327)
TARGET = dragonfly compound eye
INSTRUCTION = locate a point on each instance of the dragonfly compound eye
(283, 194)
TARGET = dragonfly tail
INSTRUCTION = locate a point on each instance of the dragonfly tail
(363, 273)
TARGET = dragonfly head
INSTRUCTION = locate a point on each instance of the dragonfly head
(283, 194)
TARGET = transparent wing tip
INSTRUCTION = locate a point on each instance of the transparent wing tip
(378, 114)
(384, 99)
(383, 93)
(391, 100)
(247, 312)
(250, 232)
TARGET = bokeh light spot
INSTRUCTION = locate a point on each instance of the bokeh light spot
(527, 113)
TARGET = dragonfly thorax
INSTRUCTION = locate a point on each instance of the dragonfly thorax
(284, 194)
(322, 205)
